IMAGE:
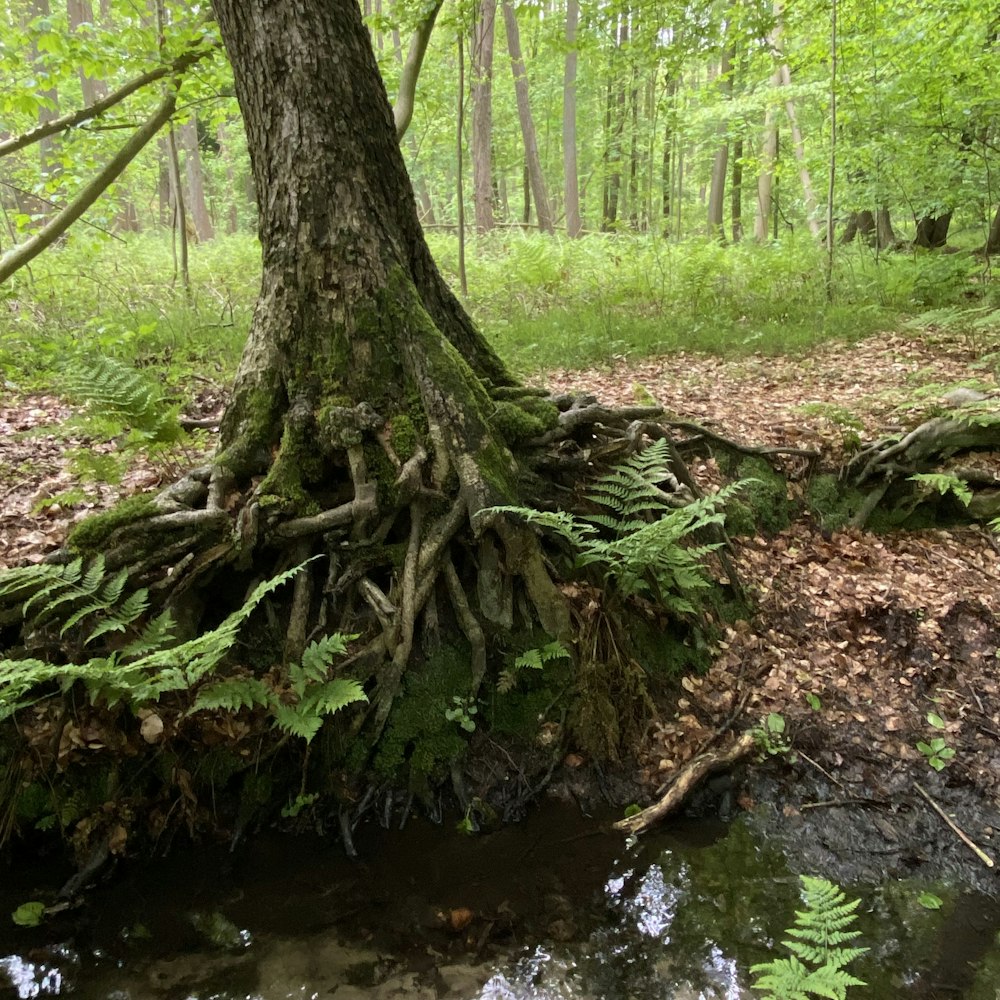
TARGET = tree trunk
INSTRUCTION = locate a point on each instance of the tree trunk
(226, 154)
(195, 197)
(571, 181)
(720, 163)
(736, 198)
(798, 147)
(543, 212)
(885, 237)
(932, 231)
(359, 357)
(48, 146)
(860, 225)
(993, 240)
(81, 16)
(482, 114)
(769, 150)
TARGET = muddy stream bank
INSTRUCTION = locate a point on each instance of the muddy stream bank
(556, 906)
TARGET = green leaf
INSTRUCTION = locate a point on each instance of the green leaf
(935, 720)
(29, 914)
(929, 901)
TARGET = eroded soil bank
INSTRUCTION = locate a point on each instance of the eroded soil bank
(858, 639)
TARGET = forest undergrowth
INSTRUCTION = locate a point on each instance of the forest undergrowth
(870, 645)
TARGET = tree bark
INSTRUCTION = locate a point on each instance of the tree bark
(720, 163)
(932, 231)
(483, 33)
(195, 200)
(993, 239)
(359, 356)
(571, 181)
(81, 15)
(798, 147)
(543, 211)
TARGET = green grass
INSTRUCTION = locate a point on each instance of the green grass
(543, 302)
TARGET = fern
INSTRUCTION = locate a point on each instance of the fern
(143, 670)
(117, 392)
(531, 659)
(818, 938)
(647, 550)
(944, 484)
(77, 594)
(314, 695)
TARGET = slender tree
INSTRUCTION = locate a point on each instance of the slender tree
(571, 182)
(533, 163)
(483, 33)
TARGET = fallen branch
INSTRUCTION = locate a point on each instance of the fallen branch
(689, 777)
(978, 851)
(743, 449)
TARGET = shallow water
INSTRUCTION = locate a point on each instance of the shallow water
(556, 907)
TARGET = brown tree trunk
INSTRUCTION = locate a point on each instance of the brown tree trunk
(363, 387)
(195, 197)
(885, 237)
(571, 181)
(483, 31)
(736, 197)
(720, 163)
(81, 15)
(543, 212)
(932, 231)
(49, 146)
(993, 239)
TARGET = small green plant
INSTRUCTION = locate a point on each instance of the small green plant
(29, 914)
(770, 736)
(642, 543)
(818, 963)
(152, 664)
(531, 659)
(934, 482)
(463, 711)
(812, 700)
(300, 802)
(929, 901)
(937, 752)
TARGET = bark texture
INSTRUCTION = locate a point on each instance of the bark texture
(483, 33)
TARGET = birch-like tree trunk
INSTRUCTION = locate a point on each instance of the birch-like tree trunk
(571, 180)
(533, 163)
(483, 33)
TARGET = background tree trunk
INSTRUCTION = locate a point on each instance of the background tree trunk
(483, 31)
(543, 212)
(195, 200)
(720, 163)
(571, 181)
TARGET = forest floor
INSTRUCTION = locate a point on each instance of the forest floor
(866, 644)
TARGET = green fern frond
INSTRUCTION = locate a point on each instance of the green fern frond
(232, 695)
(73, 594)
(820, 930)
(116, 390)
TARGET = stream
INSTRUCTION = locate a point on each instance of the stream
(559, 906)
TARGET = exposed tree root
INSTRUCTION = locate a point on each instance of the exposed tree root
(686, 781)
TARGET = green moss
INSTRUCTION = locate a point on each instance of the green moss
(418, 739)
(831, 502)
(404, 436)
(761, 505)
(92, 534)
(515, 424)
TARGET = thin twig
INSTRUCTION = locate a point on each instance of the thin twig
(978, 851)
